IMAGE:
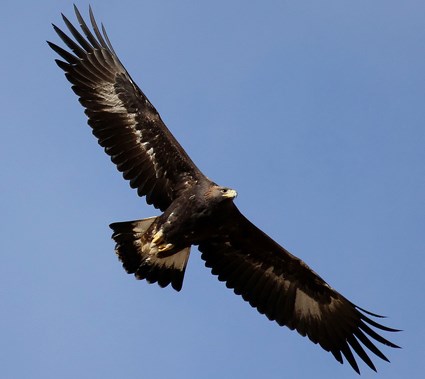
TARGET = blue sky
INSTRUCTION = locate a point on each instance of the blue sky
(313, 111)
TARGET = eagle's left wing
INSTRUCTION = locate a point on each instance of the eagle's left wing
(286, 290)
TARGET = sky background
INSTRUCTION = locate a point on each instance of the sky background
(313, 110)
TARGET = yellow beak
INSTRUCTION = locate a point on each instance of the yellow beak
(230, 194)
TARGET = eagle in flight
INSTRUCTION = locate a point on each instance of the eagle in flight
(197, 211)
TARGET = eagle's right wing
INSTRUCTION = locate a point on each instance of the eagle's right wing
(122, 118)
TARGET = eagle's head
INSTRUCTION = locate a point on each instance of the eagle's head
(217, 194)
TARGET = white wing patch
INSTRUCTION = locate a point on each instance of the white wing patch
(306, 306)
(111, 100)
(114, 104)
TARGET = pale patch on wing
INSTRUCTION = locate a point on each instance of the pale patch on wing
(150, 152)
(112, 102)
(157, 168)
(285, 284)
(139, 135)
(306, 306)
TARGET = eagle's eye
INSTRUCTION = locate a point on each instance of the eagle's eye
(223, 190)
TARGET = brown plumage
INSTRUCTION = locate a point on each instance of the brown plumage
(196, 211)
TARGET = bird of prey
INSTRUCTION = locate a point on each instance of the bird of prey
(197, 211)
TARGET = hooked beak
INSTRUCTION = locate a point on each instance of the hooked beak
(230, 194)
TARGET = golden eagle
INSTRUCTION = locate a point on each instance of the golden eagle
(197, 211)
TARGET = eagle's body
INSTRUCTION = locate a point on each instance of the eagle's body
(196, 211)
(157, 249)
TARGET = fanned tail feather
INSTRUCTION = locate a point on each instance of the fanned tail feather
(141, 258)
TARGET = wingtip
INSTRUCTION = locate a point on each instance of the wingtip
(394, 346)
(77, 13)
(66, 21)
(56, 28)
(369, 313)
(356, 369)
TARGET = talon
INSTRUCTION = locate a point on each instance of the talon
(166, 247)
(158, 237)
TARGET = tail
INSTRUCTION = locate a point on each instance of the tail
(134, 251)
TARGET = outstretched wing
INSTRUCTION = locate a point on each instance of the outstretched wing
(122, 118)
(286, 290)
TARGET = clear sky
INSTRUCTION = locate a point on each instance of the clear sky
(313, 110)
